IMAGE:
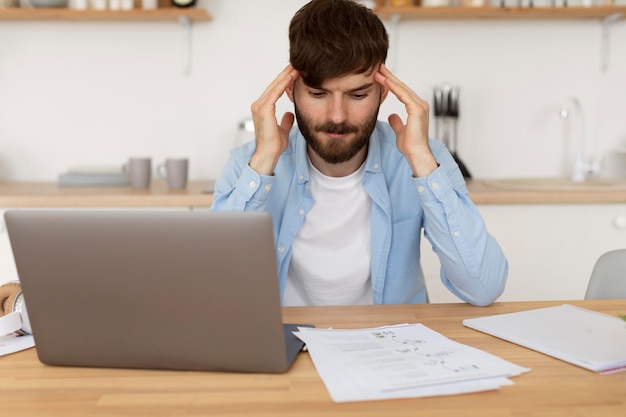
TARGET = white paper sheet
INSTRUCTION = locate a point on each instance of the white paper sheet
(586, 338)
(12, 343)
(401, 361)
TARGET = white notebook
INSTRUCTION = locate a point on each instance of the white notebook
(586, 338)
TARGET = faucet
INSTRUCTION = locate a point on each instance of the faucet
(579, 165)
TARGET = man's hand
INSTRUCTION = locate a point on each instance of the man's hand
(412, 137)
(272, 139)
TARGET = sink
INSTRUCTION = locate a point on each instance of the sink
(555, 184)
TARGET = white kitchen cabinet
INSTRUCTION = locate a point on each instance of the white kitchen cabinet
(551, 248)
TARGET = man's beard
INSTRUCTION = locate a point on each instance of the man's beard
(336, 151)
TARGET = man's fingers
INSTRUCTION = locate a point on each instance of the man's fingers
(407, 96)
(263, 109)
(277, 88)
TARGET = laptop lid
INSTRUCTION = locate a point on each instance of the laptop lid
(152, 289)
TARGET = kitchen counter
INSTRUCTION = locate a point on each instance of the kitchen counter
(41, 194)
(49, 194)
(547, 191)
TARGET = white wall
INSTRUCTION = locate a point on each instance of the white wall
(87, 93)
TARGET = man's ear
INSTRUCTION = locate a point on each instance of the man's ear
(289, 90)
(383, 93)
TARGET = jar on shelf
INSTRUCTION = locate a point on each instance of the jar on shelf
(474, 3)
(437, 3)
(399, 3)
(5, 4)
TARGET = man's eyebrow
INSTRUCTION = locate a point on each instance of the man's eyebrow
(361, 87)
(352, 90)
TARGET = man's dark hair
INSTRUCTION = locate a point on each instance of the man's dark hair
(332, 38)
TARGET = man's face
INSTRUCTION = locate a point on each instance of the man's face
(337, 118)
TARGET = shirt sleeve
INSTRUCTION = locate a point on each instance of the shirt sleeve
(473, 266)
(239, 187)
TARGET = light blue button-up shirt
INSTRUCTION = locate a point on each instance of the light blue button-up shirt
(473, 266)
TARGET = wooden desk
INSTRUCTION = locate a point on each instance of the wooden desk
(552, 388)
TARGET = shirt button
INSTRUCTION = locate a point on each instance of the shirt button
(435, 185)
(301, 177)
(252, 184)
(267, 187)
(456, 233)
(301, 212)
(375, 166)
(281, 249)
(420, 188)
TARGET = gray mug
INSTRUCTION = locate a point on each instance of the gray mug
(175, 172)
(138, 171)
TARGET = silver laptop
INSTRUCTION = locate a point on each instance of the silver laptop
(152, 289)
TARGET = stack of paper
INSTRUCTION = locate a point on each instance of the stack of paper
(408, 360)
(586, 338)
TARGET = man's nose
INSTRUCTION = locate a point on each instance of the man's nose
(337, 111)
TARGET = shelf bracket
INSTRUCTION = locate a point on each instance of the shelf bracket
(606, 37)
(186, 25)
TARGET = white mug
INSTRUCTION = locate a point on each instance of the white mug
(149, 4)
(175, 172)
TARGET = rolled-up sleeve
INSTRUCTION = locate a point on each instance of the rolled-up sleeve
(240, 188)
(473, 266)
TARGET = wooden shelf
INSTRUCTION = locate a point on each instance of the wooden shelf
(139, 15)
(496, 13)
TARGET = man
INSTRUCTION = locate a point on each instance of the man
(349, 195)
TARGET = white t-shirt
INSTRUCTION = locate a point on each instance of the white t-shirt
(330, 261)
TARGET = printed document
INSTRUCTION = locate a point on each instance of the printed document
(401, 361)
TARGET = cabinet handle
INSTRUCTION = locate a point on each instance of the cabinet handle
(619, 222)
